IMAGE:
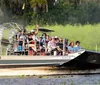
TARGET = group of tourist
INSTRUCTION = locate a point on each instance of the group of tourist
(44, 44)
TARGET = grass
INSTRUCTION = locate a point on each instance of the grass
(88, 35)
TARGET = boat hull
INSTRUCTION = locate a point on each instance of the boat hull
(38, 60)
(87, 60)
(89, 57)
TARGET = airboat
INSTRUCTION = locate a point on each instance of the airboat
(14, 58)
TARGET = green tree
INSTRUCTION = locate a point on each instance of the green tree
(36, 4)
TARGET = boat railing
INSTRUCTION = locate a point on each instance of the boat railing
(9, 50)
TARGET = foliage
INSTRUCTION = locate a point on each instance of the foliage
(33, 3)
(60, 12)
(68, 14)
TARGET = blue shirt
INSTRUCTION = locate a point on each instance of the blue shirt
(43, 40)
(77, 48)
(71, 49)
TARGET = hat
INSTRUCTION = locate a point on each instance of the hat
(56, 37)
(21, 37)
(32, 31)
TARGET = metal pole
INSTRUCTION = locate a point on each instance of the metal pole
(96, 48)
(0, 49)
(1, 34)
(63, 47)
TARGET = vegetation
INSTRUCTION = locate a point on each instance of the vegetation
(51, 12)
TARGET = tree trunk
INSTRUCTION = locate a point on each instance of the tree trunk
(47, 7)
(36, 8)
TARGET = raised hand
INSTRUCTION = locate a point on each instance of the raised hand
(37, 26)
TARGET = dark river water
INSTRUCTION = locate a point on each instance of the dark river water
(53, 80)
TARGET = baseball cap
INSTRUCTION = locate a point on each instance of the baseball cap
(56, 36)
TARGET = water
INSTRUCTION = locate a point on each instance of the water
(49, 76)
(53, 80)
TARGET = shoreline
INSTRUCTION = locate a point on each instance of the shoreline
(44, 71)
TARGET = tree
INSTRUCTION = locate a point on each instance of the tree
(38, 5)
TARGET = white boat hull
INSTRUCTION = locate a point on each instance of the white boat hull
(38, 60)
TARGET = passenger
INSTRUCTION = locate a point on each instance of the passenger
(77, 46)
(59, 44)
(71, 48)
(44, 38)
(31, 45)
(16, 47)
(42, 48)
(32, 38)
(59, 47)
(61, 40)
(66, 42)
(18, 35)
(21, 40)
(22, 36)
(20, 44)
(47, 38)
(40, 43)
(34, 33)
(59, 51)
(57, 40)
(52, 46)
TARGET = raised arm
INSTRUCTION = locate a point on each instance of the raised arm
(37, 29)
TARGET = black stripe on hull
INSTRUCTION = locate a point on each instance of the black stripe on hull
(88, 59)
(32, 62)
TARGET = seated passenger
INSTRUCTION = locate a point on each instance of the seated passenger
(59, 50)
(20, 44)
(59, 47)
(44, 38)
(18, 35)
(77, 46)
(52, 45)
(66, 42)
(34, 33)
(22, 36)
(32, 38)
(31, 44)
(47, 39)
(46, 42)
(40, 43)
(71, 48)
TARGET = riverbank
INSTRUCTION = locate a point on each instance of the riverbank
(43, 71)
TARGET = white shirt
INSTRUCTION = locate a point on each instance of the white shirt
(33, 37)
